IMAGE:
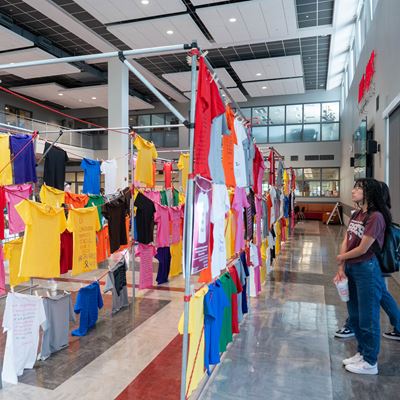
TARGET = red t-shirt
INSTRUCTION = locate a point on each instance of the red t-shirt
(66, 252)
(2, 206)
(258, 163)
(236, 281)
(271, 159)
(167, 174)
(208, 106)
(363, 224)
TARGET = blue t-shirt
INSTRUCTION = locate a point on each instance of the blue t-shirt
(286, 207)
(215, 302)
(91, 181)
(24, 163)
(87, 304)
(245, 308)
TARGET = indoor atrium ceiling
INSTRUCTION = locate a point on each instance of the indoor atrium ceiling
(261, 47)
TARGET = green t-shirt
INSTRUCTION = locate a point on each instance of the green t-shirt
(226, 332)
(176, 198)
(164, 199)
(96, 200)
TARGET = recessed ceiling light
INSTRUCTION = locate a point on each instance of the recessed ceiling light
(94, 98)
(321, 84)
(306, 16)
(258, 74)
(232, 20)
(61, 94)
(170, 32)
(145, 2)
(80, 100)
(264, 87)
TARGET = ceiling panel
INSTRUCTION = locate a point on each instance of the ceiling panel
(108, 11)
(182, 80)
(82, 97)
(34, 54)
(153, 32)
(275, 88)
(256, 20)
(314, 12)
(236, 93)
(268, 68)
(10, 40)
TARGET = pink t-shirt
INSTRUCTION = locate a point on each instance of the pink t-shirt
(14, 195)
(176, 218)
(155, 197)
(2, 273)
(146, 252)
(239, 202)
(161, 218)
(258, 201)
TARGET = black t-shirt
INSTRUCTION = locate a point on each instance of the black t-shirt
(144, 219)
(120, 276)
(54, 166)
(249, 213)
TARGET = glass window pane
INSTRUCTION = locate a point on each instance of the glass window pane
(146, 135)
(330, 131)
(311, 133)
(294, 114)
(260, 116)
(172, 139)
(294, 133)
(247, 113)
(330, 189)
(276, 134)
(158, 139)
(260, 134)
(312, 188)
(276, 115)
(330, 173)
(133, 120)
(158, 119)
(330, 112)
(299, 173)
(144, 120)
(170, 119)
(312, 173)
(312, 112)
(299, 189)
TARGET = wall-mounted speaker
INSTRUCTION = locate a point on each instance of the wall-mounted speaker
(372, 146)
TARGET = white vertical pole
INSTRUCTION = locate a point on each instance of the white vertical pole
(132, 228)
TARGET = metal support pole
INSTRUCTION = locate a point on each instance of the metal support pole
(132, 228)
(188, 226)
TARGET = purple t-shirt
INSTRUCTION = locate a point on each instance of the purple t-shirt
(24, 162)
(361, 224)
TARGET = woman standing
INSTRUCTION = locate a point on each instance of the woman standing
(358, 263)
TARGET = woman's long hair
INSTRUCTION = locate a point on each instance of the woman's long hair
(377, 197)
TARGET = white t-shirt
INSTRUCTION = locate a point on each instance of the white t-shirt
(254, 259)
(109, 170)
(22, 318)
(239, 162)
(220, 206)
(272, 193)
(202, 208)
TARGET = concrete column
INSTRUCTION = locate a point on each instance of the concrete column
(118, 116)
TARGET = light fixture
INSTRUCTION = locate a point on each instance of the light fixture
(306, 16)
(170, 32)
(61, 94)
(94, 98)
(258, 74)
(80, 100)
(232, 19)
(145, 2)
(321, 85)
(264, 87)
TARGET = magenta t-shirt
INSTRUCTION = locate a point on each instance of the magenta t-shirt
(176, 217)
(239, 203)
(372, 225)
(14, 195)
(146, 252)
(161, 218)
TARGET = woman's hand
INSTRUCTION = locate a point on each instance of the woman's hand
(340, 259)
(340, 275)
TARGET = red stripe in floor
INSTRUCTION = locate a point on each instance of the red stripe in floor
(161, 379)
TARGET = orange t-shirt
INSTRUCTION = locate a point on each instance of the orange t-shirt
(76, 200)
(102, 240)
(228, 142)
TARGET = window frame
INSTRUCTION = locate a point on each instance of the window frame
(320, 180)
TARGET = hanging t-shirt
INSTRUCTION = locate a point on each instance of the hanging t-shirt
(144, 218)
(83, 223)
(116, 282)
(51, 196)
(155, 197)
(146, 252)
(2, 213)
(279, 174)
(76, 200)
(88, 303)
(96, 201)
(144, 165)
(215, 304)
(40, 219)
(23, 316)
(24, 163)
(245, 308)
(219, 128)
(164, 263)
(228, 142)
(208, 105)
(2, 272)
(66, 254)
(271, 159)
(274, 216)
(249, 154)
(183, 166)
(229, 235)
(14, 195)
(161, 218)
(176, 219)
(239, 203)
(202, 209)
(239, 155)
(264, 220)
(12, 253)
(54, 166)
(258, 170)
(176, 259)
(218, 210)
(91, 179)
(5, 164)
(259, 214)
(249, 214)
(242, 279)
(109, 169)
(167, 169)
(285, 183)
(235, 277)
(195, 363)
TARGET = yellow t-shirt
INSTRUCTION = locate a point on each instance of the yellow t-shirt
(144, 165)
(41, 246)
(12, 253)
(196, 332)
(277, 228)
(6, 175)
(176, 259)
(183, 165)
(51, 196)
(285, 183)
(228, 235)
(83, 223)
(182, 198)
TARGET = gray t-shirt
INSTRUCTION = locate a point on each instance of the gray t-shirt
(59, 312)
(121, 300)
(242, 278)
(249, 154)
(219, 127)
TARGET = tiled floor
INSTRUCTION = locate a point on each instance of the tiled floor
(286, 348)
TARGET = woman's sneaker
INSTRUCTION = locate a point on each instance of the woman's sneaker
(363, 368)
(352, 360)
(392, 335)
(344, 333)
